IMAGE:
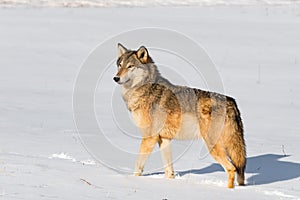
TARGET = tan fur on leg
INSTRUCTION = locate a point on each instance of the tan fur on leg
(166, 154)
(146, 148)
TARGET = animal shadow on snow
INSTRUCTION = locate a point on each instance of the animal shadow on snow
(264, 169)
(267, 168)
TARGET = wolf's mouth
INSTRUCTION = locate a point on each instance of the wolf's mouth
(121, 83)
(124, 82)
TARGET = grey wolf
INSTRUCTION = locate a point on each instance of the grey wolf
(164, 111)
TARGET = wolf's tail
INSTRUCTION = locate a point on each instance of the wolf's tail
(237, 149)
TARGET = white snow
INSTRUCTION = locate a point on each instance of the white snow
(88, 162)
(66, 156)
(256, 50)
(280, 194)
(62, 155)
(138, 3)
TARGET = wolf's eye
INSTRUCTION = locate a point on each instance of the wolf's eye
(130, 66)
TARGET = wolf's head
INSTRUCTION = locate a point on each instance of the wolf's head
(134, 67)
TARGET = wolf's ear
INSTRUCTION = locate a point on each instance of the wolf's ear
(121, 50)
(142, 54)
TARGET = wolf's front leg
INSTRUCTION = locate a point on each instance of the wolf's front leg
(166, 154)
(146, 148)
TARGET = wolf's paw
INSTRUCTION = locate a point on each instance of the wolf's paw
(230, 185)
(169, 174)
(240, 181)
(137, 174)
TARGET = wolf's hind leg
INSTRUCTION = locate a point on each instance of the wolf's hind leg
(220, 156)
(146, 148)
(166, 154)
(241, 176)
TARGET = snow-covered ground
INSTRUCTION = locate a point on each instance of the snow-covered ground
(138, 3)
(256, 50)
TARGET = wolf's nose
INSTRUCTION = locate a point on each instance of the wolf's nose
(116, 79)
